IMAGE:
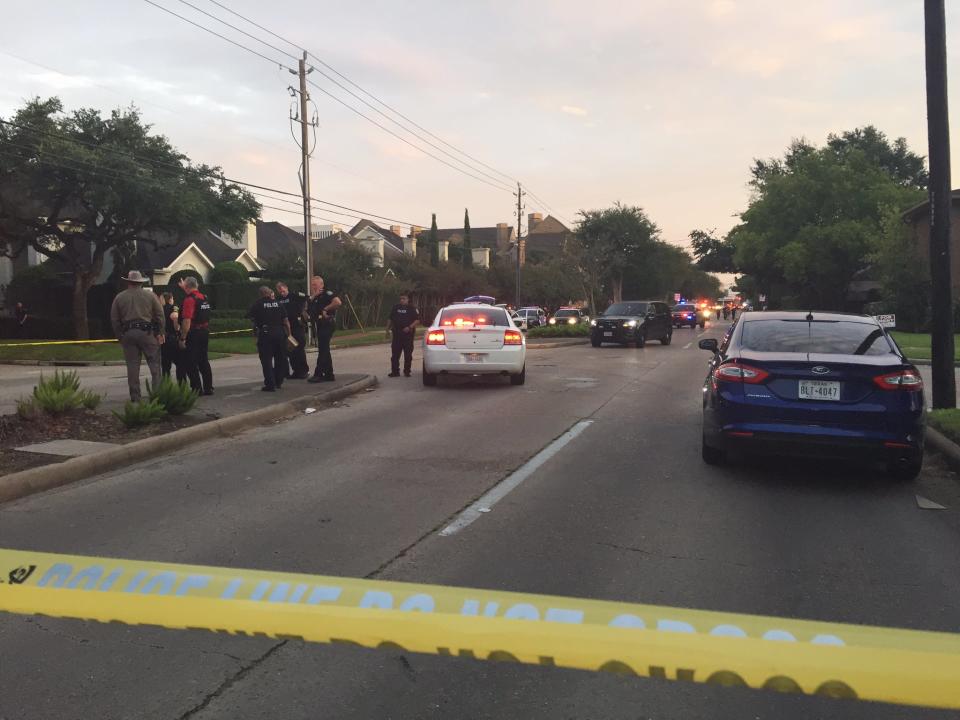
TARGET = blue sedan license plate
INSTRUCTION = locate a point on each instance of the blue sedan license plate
(819, 390)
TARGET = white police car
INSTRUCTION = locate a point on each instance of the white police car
(473, 339)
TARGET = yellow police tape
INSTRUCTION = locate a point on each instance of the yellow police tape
(791, 656)
(90, 342)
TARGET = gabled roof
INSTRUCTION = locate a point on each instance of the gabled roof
(552, 243)
(332, 242)
(479, 236)
(389, 236)
(923, 208)
(277, 240)
(168, 249)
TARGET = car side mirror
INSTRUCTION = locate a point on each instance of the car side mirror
(710, 344)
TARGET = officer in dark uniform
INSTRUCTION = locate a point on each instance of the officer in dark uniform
(404, 319)
(293, 304)
(272, 327)
(322, 309)
(170, 351)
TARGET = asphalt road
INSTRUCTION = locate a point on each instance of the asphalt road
(625, 511)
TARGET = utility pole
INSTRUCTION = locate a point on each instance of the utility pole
(521, 244)
(938, 134)
(305, 151)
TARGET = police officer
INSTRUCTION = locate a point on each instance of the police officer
(195, 336)
(136, 316)
(293, 305)
(272, 327)
(322, 308)
(404, 319)
(169, 351)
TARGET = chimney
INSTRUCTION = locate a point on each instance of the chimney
(444, 250)
(533, 219)
(503, 235)
(250, 239)
(416, 230)
(481, 257)
(410, 246)
(397, 230)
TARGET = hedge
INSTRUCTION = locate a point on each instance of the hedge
(559, 331)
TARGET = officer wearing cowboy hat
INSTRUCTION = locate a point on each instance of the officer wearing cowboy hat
(137, 316)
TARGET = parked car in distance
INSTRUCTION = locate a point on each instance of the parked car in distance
(634, 321)
(473, 339)
(535, 316)
(828, 385)
(519, 320)
(482, 299)
(569, 316)
(687, 316)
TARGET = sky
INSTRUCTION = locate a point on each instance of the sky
(661, 104)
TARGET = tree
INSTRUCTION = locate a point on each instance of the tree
(813, 223)
(905, 167)
(434, 241)
(467, 243)
(614, 241)
(74, 187)
(713, 254)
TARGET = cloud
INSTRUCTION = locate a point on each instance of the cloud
(573, 110)
(719, 8)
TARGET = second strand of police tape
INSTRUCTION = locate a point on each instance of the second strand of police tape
(796, 656)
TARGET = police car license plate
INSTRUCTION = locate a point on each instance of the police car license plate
(474, 357)
(819, 390)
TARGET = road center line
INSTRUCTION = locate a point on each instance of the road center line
(512, 481)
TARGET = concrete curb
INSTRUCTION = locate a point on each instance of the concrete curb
(562, 342)
(945, 446)
(63, 363)
(46, 477)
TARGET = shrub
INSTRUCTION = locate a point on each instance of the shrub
(140, 413)
(560, 331)
(59, 394)
(27, 409)
(229, 271)
(175, 398)
(89, 399)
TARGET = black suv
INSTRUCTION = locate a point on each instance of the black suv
(633, 321)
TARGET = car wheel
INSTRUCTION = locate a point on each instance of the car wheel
(665, 340)
(595, 342)
(641, 339)
(712, 455)
(429, 379)
(519, 379)
(906, 471)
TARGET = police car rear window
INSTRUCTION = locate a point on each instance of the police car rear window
(473, 317)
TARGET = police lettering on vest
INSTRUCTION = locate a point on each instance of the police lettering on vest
(267, 313)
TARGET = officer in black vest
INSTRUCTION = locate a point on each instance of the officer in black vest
(322, 308)
(272, 327)
(293, 304)
(404, 319)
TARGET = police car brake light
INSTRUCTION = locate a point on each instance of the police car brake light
(436, 337)
(512, 337)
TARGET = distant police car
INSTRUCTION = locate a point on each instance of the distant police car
(473, 339)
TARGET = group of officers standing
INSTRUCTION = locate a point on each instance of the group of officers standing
(167, 336)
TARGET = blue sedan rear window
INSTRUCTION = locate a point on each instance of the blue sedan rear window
(829, 337)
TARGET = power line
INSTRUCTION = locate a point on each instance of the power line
(181, 168)
(234, 27)
(214, 32)
(403, 139)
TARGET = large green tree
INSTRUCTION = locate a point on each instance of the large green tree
(615, 241)
(813, 223)
(711, 252)
(76, 186)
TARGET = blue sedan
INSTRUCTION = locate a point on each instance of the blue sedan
(813, 384)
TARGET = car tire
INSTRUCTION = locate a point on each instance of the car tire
(429, 379)
(595, 342)
(907, 472)
(712, 455)
(641, 339)
(665, 340)
(520, 378)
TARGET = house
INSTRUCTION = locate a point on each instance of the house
(546, 236)
(497, 238)
(918, 220)
(199, 251)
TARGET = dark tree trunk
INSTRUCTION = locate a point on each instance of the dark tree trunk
(82, 282)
